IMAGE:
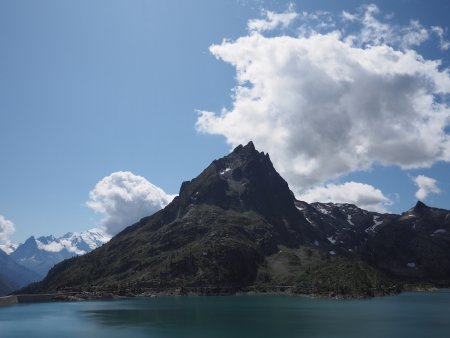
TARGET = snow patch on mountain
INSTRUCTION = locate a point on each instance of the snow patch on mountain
(321, 208)
(331, 239)
(439, 231)
(349, 220)
(8, 248)
(376, 223)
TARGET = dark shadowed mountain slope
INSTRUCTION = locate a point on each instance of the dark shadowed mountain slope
(414, 245)
(218, 231)
(6, 286)
(13, 275)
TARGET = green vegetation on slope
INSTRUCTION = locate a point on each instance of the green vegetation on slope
(207, 246)
(312, 271)
(6, 286)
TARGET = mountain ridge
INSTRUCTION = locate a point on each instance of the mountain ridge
(238, 225)
(42, 253)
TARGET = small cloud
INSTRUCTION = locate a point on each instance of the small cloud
(439, 31)
(426, 185)
(348, 16)
(272, 21)
(374, 31)
(7, 228)
(363, 195)
(123, 198)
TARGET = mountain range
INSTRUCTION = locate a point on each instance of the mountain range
(237, 226)
(30, 261)
(40, 254)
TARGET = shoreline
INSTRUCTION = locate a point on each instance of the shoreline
(77, 296)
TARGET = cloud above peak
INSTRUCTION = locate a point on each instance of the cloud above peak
(325, 103)
(426, 185)
(123, 198)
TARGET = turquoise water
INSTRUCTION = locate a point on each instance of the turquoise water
(409, 315)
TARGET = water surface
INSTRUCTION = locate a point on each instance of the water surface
(409, 315)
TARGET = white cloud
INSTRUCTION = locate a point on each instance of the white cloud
(426, 185)
(123, 198)
(363, 195)
(327, 104)
(346, 16)
(439, 31)
(272, 21)
(7, 228)
(376, 32)
(316, 22)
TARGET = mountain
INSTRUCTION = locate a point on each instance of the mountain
(237, 226)
(13, 275)
(41, 254)
(8, 248)
(414, 245)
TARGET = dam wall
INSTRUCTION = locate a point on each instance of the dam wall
(8, 300)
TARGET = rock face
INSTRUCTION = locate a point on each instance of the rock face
(238, 225)
(413, 246)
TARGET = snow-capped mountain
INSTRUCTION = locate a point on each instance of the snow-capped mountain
(345, 226)
(8, 248)
(78, 243)
(41, 254)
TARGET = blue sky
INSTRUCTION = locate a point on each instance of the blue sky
(90, 88)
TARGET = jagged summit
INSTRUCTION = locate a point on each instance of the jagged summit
(250, 147)
(246, 180)
(420, 207)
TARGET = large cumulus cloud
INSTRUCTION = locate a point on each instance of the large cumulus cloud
(324, 103)
(123, 198)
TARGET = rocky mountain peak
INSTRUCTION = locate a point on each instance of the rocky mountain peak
(250, 147)
(420, 207)
(29, 243)
(243, 180)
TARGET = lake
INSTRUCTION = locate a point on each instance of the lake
(412, 314)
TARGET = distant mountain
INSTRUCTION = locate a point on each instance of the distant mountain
(41, 254)
(237, 226)
(8, 248)
(412, 246)
(13, 275)
(345, 228)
